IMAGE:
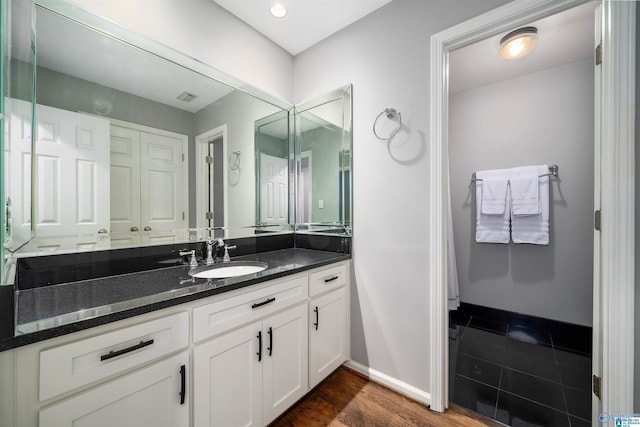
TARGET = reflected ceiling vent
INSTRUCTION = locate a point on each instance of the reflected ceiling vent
(186, 97)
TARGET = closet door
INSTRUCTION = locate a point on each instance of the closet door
(161, 185)
(125, 181)
(72, 167)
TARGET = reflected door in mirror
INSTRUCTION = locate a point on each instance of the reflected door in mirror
(148, 188)
(71, 172)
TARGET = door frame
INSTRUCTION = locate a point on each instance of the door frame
(617, 140)
(201, 152)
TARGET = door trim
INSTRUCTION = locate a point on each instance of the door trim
(201, 140)
(618, 200)
(619, 81)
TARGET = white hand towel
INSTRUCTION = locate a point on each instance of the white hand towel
(491, 228)
(534, 229)
(494, 190)
(524, 189)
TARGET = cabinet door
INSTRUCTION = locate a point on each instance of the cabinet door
(148, 397)
(227, 379)
(327, 334)
(285, 356)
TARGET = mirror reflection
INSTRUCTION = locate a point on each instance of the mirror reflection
(323, 142)
(131, 149)
(274, 200)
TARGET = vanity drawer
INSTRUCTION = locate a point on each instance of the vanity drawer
(222, 315)
(327, 279)
(83, 362)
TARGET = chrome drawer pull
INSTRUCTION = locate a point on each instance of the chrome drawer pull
(113, 354)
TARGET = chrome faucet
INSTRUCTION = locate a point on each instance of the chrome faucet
(211, 259)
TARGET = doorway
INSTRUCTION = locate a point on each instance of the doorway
(532, 302)
(211, 179)
(614, 166)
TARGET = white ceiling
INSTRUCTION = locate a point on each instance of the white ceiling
(307, 21)
(562, 38)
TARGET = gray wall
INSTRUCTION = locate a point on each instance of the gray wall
(385, 56)
(543, 117)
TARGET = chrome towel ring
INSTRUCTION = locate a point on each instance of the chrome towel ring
(390, 113)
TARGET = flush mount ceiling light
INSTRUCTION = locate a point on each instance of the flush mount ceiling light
(278, 10)
(518, 43)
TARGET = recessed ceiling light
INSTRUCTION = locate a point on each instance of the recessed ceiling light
(518, 43)
(278, 10)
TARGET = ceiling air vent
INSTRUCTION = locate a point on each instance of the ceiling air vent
(186, 97)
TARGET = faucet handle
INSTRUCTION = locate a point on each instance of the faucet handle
(226, 257)
(193, 263)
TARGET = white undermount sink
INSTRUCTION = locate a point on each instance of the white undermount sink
(226, 270)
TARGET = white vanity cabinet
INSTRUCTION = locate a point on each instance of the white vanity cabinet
(132, 372)
(327, 322)
(242, 357)
(248, 374)
(154, 396)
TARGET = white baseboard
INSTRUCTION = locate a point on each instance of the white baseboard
(394, 384)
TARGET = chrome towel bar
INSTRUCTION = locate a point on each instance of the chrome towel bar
(553, 171)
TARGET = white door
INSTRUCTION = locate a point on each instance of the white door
(148, 397)
(285, 357)
(274, 191)
(327, 335)
(18, 172)
(161, 185)
(228, 379)
(71, 171)
(125, 181)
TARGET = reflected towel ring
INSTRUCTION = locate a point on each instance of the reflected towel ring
(236, 162)
(390, 113)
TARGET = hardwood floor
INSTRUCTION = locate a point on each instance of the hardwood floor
(347, 398)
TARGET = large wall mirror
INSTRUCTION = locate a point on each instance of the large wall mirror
(131, 147)
(323, 149)
(136, 144)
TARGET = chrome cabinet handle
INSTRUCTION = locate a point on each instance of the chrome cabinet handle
(102, 231)
(147, 228)
(134, 229)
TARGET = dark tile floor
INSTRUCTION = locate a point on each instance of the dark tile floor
(520, 371)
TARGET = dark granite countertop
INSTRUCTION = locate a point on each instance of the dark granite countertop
(46, 312)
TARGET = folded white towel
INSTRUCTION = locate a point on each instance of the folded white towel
(494, 190)
(524, 189)
(534, 229)
(491, 228)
